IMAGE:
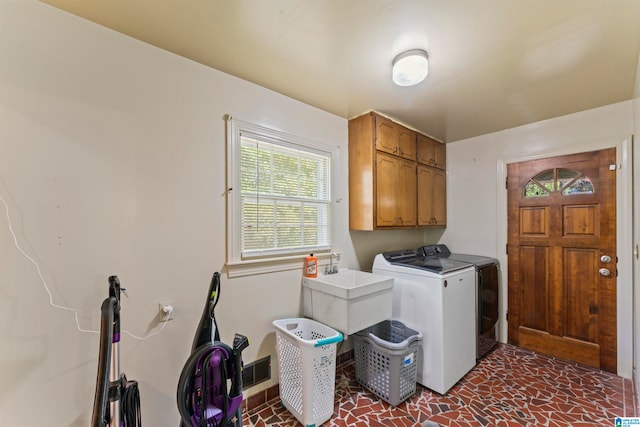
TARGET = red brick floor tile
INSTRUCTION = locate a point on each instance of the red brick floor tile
(511, 387)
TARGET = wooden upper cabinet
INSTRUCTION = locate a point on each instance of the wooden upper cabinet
(394, 138)
(431, 152)
(386, 188)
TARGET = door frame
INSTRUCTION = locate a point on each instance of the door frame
(624, 218)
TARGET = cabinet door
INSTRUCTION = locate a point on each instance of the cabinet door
(394, 138)
(386, 196)
(431, 152)
(439, 155)
(407, 193)
(395, 191)
(385, 136)
(406, 142)
(432, 202)
(424, 149)
(440, 197)
(425, 195)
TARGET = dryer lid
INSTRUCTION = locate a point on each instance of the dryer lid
(438, 265)
(477, 260)
(417, 259)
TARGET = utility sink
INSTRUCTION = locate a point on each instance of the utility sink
(349, 300)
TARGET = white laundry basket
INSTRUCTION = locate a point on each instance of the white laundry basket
(307, 361)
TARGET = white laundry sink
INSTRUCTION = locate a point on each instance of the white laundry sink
(348, 301)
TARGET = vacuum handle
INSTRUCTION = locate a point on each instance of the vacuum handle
(114, 292)
(240, 342)
(207, 330)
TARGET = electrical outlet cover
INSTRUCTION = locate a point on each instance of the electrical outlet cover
(164, 316)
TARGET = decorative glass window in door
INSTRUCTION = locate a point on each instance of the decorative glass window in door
(558, 180)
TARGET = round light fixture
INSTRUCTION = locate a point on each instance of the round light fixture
(410, 67)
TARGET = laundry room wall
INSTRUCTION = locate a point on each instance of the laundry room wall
(475, 178)
(113, 163)
(636, 228)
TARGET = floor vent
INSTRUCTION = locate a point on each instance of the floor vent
(256, 372)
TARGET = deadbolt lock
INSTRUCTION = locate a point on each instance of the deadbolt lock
(605, 259)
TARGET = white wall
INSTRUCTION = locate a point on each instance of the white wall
(475, 178)
(113, 162)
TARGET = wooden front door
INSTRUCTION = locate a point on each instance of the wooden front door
(561, 232)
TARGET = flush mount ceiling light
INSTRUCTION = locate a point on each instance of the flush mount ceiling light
(410, 67)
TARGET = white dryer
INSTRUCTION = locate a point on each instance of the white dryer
(435, 296)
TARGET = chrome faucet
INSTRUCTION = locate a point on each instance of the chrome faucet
(332, 269)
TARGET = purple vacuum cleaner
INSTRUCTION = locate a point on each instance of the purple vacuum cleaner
(210, 385)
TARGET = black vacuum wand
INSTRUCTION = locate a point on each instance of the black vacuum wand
(123, 408)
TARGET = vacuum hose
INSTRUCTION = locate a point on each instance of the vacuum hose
(102, 380)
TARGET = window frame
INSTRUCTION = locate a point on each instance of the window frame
(236, 264)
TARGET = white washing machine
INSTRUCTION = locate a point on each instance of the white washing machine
(435, 296)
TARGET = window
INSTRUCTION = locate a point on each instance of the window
(560, 180)
(280, 196)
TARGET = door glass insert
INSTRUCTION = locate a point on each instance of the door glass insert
(534, 190)
(558, 180)
(565, 177)
(579, 186)
(545, 179)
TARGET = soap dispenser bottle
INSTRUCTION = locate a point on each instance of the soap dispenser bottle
(311, 266)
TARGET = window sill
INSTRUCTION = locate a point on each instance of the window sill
(272, 265)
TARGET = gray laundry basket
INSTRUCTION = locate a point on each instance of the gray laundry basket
(387, 356)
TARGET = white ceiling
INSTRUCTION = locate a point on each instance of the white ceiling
(494, 64)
